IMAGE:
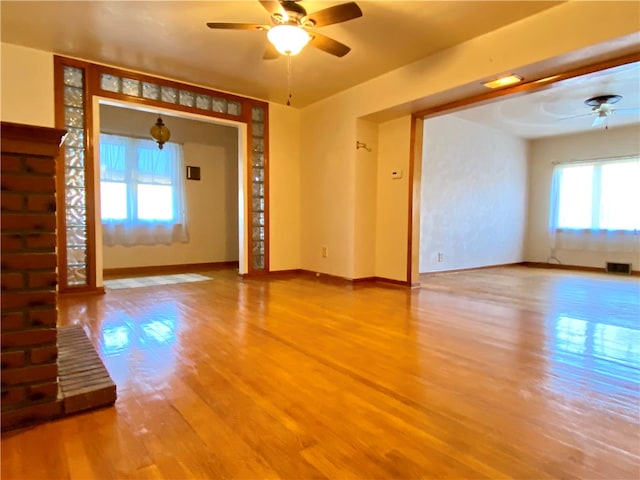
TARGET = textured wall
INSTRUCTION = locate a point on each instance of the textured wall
(474, 196)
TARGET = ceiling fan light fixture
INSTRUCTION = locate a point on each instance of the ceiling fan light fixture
(503, 81)
(288, 39)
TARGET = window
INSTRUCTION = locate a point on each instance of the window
(141, 191)
(597, 198)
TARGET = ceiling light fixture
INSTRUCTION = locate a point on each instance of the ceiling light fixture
(288, 39)
(503, 81)
(160, 133)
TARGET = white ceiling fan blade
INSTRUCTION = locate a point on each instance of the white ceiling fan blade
(627, 111)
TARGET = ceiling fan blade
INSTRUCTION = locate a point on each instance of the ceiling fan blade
(337, 14)
(270, 52)
(578, 116)
(237, 26)
(328, 45)
(599, 120)
(272, 7)
(627, 111)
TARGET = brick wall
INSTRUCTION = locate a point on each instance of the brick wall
(29, 371)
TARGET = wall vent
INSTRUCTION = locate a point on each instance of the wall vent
(613, 267)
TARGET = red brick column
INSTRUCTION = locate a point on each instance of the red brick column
(28, 304)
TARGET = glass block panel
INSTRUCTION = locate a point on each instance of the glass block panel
(75, 217)
(258, 189)
(75, 197)
(131, 87)
(74, 157)
(203, 102)
(74, 117)
(257, 144)
(257, 114)
(257, 159)
(73, 96)
(258, 262)
(258, 204)
(187, 99)
(234, 108)
(168, 94)
(150, 90)
(258, 220)
(219, 105)
(77, 275)
(258, 174)
(76, 255)
(257, 234)
(74, 138)
(258, 129)
(258, 248)
(76, 237)
(74, 177)
(110, 83)
(73, 77)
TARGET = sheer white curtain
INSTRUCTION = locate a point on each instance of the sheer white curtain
(142, 192)
(595, 205)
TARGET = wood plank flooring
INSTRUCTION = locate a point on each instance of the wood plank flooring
(502, 373)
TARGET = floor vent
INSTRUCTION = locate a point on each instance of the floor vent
(613, 267)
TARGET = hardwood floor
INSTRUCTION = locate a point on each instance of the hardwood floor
(506, 372)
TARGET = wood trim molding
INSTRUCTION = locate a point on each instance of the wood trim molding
(578, 268)
(168, 269)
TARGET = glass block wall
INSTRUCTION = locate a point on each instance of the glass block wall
(173, 96)
(75, 199)
(257, 189)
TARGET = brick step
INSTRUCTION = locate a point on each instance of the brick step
(84, 381)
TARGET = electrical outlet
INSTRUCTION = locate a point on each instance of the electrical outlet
(325, 251)
(440, 257)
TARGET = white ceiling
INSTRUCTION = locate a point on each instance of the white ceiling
(171, 39)
(560, 109)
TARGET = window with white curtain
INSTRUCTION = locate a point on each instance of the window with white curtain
(142, 192)
(595, 205)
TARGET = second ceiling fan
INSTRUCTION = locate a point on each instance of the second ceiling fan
(292, 28)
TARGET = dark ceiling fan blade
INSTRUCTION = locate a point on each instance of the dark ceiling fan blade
(272, 7)
(328, 45)
(237, 26)
(270, 52)
(337, 14)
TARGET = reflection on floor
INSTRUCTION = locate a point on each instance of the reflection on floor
(509, 372)
(154, 281)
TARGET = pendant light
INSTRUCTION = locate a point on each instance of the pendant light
(160, 133)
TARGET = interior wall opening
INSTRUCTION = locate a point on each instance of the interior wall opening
(212, 204)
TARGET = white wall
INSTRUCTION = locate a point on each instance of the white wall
(474, 195)
(331, 178)
(211, 203)
(331, 185)
(392, 221)
(285, 214)
(26, 86)
(598, 143)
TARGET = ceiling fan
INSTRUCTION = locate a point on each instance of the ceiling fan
(602, 106)
(292, 28)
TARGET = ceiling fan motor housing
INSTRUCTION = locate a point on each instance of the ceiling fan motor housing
(602, 99)
(294, 13)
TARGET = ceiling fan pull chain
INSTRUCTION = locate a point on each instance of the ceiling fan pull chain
(289, 79)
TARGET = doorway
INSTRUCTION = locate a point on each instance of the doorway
(211, 203)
